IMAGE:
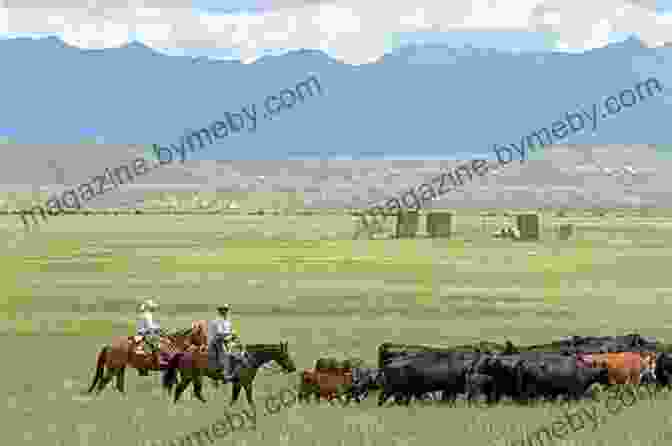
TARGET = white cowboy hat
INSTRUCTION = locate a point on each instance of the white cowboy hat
(149, 304)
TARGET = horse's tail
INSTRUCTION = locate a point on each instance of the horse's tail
(170, 374)
(100, 366)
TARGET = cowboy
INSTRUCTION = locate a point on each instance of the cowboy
(150, 330)
(220, 338)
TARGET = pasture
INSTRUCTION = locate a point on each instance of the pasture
(75, 283)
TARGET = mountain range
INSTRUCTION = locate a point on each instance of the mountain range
(421, 101)
(352, 145)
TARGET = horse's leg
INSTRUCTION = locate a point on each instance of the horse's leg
(105, 380)
(121, 375)
(248, 394)
(383, 397)
(236, 391)
(100, 367)
(181, 386)
(198, 387)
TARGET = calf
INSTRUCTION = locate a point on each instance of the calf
(325, 383)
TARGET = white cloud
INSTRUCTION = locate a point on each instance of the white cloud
(354, 31)
(4, 21)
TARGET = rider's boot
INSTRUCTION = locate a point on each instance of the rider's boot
(156, 363)
(227, 375)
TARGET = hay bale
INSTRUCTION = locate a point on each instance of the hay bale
(407, 224)
(528, 226)
(565, 231)
(439, 224)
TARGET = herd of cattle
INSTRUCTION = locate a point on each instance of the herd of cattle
(567, 368)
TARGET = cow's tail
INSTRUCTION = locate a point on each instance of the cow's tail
(170, 374)
(100, 366)
(520, 389)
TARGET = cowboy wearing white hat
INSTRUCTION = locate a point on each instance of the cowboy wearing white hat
(149, 329)
(220, 337)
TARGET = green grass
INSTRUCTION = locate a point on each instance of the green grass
(74, 284)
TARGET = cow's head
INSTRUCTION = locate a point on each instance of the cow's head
(487, 364)
(648, 366)
(583, 360)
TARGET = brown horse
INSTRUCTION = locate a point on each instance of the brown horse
(127, 351)
(193, 365)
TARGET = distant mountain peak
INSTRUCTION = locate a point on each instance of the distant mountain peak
(137, 46)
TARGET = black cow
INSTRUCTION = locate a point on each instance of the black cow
(608, 344)
(664, 369)
(480, 384)
(389, 351)
(439, 371)
(507, 372)
(552, 376)
(504, 371)
(363, 380)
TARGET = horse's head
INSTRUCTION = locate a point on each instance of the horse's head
(285, 360)
(273, 352)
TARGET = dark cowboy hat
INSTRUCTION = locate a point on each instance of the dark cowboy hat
(224, 308)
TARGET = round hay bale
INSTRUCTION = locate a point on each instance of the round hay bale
(528, 225)
(439, 224)
(565, 231)
(407, 224)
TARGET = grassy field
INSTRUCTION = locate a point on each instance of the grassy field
(75, 283)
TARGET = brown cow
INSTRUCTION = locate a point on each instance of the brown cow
(325, 383)
(625, 367)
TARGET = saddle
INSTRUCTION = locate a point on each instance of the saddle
(137, 343)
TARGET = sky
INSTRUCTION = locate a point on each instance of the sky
(352, 31)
